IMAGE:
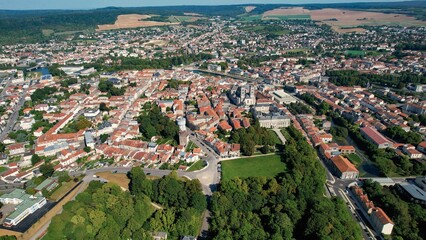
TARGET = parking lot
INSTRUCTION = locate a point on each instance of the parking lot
(31, 219)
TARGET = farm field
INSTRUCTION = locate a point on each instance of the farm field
(288, 17)
(176, 19)
(132, 21)
(343, 21)
(249, 8)
(262, 166)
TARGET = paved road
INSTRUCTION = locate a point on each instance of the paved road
(14, 116)
(280, 135)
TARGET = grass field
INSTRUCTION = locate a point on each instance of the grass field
(354, 158)
(355, 53)
(264, 166)
(120, 179)
(2, 169)
(191, 145)
(196, 166)
(277, 140)
(62, 190)
(252, 18)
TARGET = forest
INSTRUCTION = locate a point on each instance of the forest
(104, 211)
(133, 63)
(252, 136)
(409, 218)
(398, 134)
(153, 123)
(288, 206)
(352, 78)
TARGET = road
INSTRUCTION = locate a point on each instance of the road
(280, 135)
(14, 116)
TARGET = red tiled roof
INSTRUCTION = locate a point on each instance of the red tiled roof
(374, 135)
(343, 164)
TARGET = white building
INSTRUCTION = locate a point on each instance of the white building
(25, 205)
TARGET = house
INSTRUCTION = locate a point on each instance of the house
(17, 148)
(347, 149)
(49, 184)
(381, 222)
(343, 168)
(422, 147)
(159, 236)
(372, 135)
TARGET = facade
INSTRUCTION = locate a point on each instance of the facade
(378, 218)
(25, 205)
(372, 135)
(273, 118)
(381, 222)
(343, 168)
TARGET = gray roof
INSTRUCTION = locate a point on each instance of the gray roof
(414, 191)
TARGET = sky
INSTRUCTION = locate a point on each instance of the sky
(90, 4)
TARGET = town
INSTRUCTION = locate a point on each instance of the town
(191, 99)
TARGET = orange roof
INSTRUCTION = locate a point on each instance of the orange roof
(343, 164)
(381, 215)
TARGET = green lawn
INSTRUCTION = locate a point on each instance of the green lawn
(264, 166)
(355, 53)
(196, 166)
(252, 18)
(354, 158)
(2, 169)
(190, 146)
(62, 190)
(277, 140)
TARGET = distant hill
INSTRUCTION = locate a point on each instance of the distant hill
(39, 25)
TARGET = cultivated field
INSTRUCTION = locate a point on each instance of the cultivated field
(286, 11)
(176, 19)
(132, 21)
(262, 166)
(343, 21)
(249, 8)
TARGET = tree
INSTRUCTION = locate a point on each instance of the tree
(35, 159)
(104, 137)
(103, 107)
(47, 169)
(87, 149)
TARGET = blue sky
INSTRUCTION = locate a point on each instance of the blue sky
(87, 4)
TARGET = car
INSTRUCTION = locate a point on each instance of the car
(148, 173)
(115, 171)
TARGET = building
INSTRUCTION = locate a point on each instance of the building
(49, 184)
(273, 118)
(372, 135)
(243, 95)
(17, 148)
(378, 218)
(25, 205)
(421, 182)
(412, 192)
(381, 222)
(343, 168)
(88, 139)
(282, 97)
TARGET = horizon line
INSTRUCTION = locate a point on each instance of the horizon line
(210, 5)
